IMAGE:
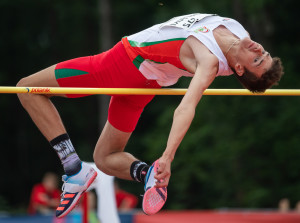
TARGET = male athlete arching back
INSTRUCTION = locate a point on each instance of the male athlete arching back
(208, 46)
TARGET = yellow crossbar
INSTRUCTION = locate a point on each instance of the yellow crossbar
(141, 91)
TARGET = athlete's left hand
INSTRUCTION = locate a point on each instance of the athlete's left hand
(164, 172)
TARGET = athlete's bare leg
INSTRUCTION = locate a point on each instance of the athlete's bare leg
(109, 154)
(39, 107)
(110, 157)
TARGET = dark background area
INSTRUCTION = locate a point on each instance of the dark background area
(239, 152)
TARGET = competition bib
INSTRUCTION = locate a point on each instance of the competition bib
(186, 21)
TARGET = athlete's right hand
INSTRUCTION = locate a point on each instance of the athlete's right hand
(163, 173)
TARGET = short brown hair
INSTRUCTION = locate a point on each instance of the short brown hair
(267, 80)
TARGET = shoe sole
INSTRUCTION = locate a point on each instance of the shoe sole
(154, 199)
(76, 200)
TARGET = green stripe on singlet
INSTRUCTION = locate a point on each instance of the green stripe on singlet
(65, 72)
(137, 61)
(143, 44)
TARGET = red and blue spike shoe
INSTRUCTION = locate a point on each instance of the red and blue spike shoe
(154, 198)
(73, 187)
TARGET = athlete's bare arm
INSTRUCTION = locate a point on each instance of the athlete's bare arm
(205, 66)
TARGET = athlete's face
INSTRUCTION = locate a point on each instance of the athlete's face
(253, 57)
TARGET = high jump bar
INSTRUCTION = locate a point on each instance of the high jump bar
(142, 91)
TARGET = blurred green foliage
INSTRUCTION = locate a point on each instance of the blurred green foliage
(239, 151)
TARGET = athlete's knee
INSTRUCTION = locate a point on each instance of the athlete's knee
(27, 98)
(97, 159)
(101, 161)
(22, 83)
(101, 164)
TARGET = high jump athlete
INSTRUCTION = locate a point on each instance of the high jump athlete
(200, 46)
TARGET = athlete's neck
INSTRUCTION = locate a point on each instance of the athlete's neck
(226, 40)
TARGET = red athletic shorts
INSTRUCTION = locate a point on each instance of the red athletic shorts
(111, 69)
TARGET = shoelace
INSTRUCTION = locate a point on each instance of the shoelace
(64, 179)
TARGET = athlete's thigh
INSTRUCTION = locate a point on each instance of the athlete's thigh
(43, 78)
(125, 110)
(111, 140)
(77, 72)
